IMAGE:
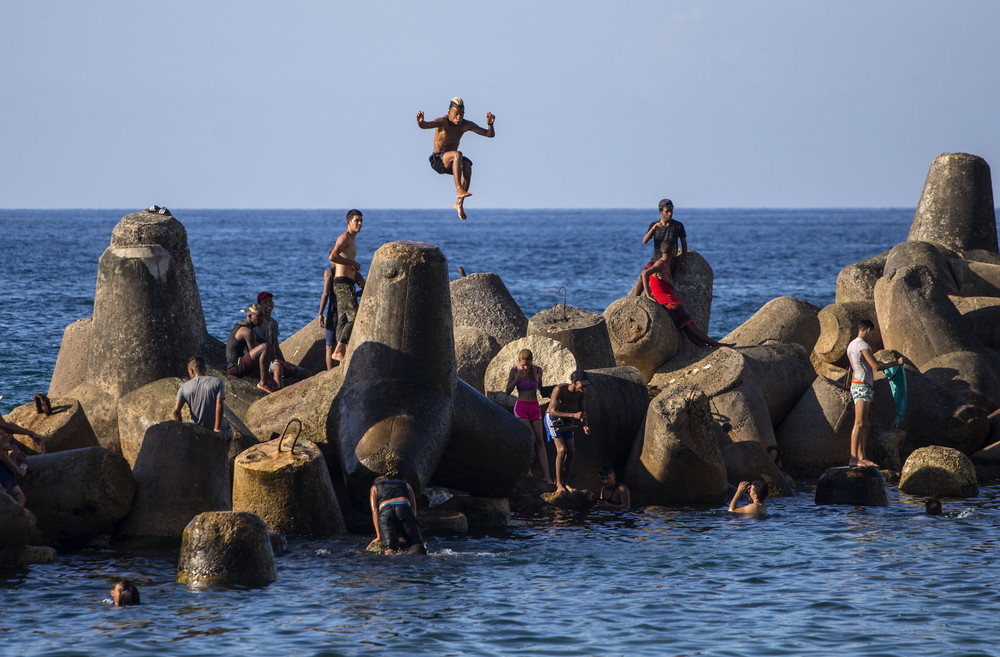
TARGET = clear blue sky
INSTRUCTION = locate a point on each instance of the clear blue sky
(311, 104)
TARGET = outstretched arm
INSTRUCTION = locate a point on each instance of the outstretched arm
(878, 366)
(10, 427)
(472, 127)
(426, 125)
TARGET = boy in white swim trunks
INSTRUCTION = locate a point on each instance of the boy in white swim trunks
(860, 382)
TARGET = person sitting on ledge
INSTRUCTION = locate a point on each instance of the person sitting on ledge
(393, 504)
(268, 332)
(655, 279)
(613, 495)
(757, 492)
(245, 355)
(124, 593)
(205, 396)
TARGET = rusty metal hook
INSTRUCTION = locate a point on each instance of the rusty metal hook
(563, 288)
(294, 440)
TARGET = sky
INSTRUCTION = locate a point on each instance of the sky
(312, 104)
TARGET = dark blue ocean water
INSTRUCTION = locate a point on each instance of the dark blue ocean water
(805, 580)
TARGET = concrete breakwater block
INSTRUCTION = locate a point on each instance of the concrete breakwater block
(181, 471)
(972, 376)
(555, 360)
(838, 326)
(694, 288)
(226, 548)
(938, 471)
(935, 258)
(956, 206)
(748, 460)
(66, 428)
(289, 489)
(983, 314)
(395, 405)
(641, 334)
(678, 462)
(307, 347)
(78, 494)
(976, 279)
(142, 408)
(481, 512)
(617, 402)
(481, 300)
(816, 435)
(101, 409)
(18, 556)
(782, 319)
(18, 523)
(852, 486)
(442, 521)
(489, 450)
(583, 332)
(474, 350)
(856, 282)
(71, 363)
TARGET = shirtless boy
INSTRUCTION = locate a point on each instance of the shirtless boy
(346, 272)
(757, 492)
(568, 407)
(446, 158)
(245, 354)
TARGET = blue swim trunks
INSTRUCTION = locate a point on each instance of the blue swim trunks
(552, 432)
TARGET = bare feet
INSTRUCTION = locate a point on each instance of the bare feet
(265, 387)
(550, 482)
(460, 209)
(463, 194)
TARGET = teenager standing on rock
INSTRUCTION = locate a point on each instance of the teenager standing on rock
(860, 381)
(527, 378)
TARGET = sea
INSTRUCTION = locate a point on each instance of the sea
(803, 580)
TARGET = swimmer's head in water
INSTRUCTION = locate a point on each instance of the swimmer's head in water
(124, 593)
(933, 507)
(759, 489)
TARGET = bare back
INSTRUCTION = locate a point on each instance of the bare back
(346, 247)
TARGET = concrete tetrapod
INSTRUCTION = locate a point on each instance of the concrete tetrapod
(936, 259)
(474, 349)
(307, 347)
(838, 326)
(289, 489)
(983, 314)
(78, 494)
(226, 548)
(19, 525)
(971, 375)
(181, 471)
(481, 300)
(976, 279)
(394, 407)
(677, 462)
(641, 333)
(71, 363)
(584, 333)
(852, 487)
(66, 428)
(555, 360)
(489, 450)
(856, 282)
(782, 319)
(939, 472)
(956, 206)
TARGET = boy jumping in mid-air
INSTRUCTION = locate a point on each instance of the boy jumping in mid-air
(446, 158)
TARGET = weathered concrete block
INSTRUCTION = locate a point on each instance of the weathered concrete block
(956, 206)
(983, 315)
(678, 462)
(857, 282)
(972, 376)
(226, 548)
(71, 363)
(748, 460)
(481, 300)
(555, 360)
(853, 487)
(474, 349)
(816, 435)
(783, 319)
(289, 490)
(18, 523)
(181, 471)
(67, 427)
(838, 326)
(584, 333)
(641, 333)
(306, 347)
(938, 471)
(935, 258)
(78, 494)
(481, 512)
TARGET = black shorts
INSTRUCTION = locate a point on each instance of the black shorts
(8, 480)
(438, 165)
(396, 522)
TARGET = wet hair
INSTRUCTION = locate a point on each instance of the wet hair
(759, 489)
(666, 246)
(354, 213)
(525, 354)
(606, 471)
(197, 363)
(933, 507)
(128, 595)
(865, 324)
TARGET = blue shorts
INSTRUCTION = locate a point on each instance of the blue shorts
(552, 432)
(331, 338)
(8, 480)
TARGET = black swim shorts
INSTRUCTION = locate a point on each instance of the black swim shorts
(438, 165)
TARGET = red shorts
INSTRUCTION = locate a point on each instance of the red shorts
(242, 366)
(527, 410)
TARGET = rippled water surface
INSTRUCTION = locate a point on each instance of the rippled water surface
(804, 580)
